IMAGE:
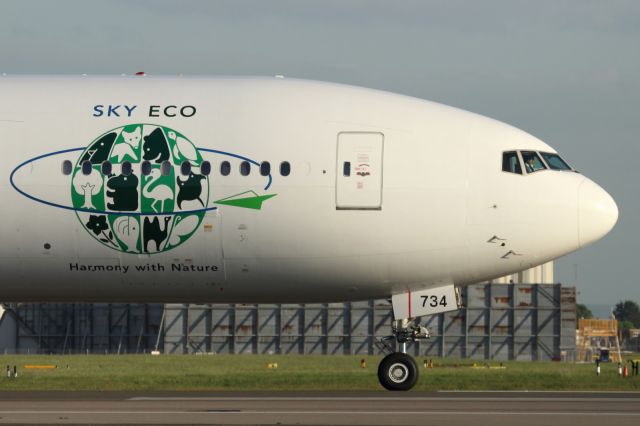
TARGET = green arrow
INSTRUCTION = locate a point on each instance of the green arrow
(249, 202)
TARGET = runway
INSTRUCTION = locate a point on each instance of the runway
(322, 408)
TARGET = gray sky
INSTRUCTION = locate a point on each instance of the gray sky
(565, 71)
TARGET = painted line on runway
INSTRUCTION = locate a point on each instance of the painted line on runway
(379, 399)
(342, 413)
(605, 392)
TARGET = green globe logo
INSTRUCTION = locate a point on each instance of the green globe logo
(140, 188)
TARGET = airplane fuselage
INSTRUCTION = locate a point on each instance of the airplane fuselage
(367, 194)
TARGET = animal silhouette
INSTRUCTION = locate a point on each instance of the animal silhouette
(133, 137)
(183, 226)
(152, 231)
(155, 147)
(160, 193)
(185, 149)
(131, 143)
(190, 189)
(127, 229)
(124, 192)
(99, 151)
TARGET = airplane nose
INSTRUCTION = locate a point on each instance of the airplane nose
(597, 212)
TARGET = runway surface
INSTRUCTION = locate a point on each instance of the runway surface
(322, 408)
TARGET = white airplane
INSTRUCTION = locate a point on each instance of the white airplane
(275, 190)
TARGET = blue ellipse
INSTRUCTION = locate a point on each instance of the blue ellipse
(117, 213)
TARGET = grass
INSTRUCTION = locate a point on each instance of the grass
(294, 373)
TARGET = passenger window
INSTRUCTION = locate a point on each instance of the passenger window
(165, 168)
(554, 161)
(145, 168)
(126, 168)
(106, 168)
(185, 168)
(86, 167)
(285, 168)
(225, 168)
(245, 168)
(532, 161)
(205, 168)
(67, 167)
(511, 162)
(265, 168)
(346, 169)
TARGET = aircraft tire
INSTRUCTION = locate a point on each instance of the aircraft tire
(398, 372)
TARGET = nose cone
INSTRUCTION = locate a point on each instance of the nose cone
(597, 212)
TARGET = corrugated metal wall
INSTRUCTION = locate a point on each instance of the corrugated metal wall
(514, 321)
(336, 328)
(524, 322)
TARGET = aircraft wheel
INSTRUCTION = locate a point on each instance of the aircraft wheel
(398, 372)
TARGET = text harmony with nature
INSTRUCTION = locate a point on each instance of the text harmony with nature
(147, 267)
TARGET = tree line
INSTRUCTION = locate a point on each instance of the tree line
(627, 312)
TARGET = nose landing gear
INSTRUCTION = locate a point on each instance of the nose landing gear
(398, 371)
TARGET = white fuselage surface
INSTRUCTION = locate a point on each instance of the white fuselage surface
(316, 192)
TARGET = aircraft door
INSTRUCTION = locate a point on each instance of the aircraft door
(359, 171)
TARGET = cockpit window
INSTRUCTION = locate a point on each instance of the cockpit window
(554, 161)
(511, 163)
(532, 161)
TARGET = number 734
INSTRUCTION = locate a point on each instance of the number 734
(433, 301)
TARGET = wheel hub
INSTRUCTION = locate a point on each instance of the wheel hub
(398, 373)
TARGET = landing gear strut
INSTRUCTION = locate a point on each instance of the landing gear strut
(398, 371)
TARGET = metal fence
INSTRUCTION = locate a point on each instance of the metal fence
(498, 321)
